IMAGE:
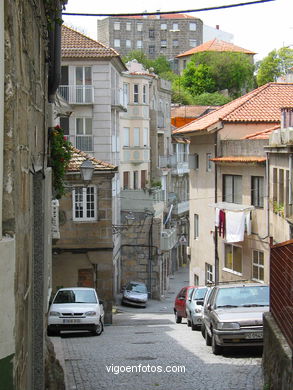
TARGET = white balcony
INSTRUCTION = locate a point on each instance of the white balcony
(177, 164)
(77, 94)
(168, 239)
(119, 99)
(151, 199)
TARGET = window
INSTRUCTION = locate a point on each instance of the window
(126, 180)
(257, 191)
(196, 161)
(135, 180)
(152, 49)
(83, 81)
(233, 258)
(125, 94)
(116, 42)
(209, 276)
(116, 25)
(126, 136)
(139, 26)
(258, 265)
(64, 124)
(139, 44)
(144, 91)
(196, 280)
(128, 26)
(196, 226)
(232, 191)
(208, 162)
(163, 43)
(136, 137)
(175, 27)
(128, 43)
(175, 43)
(163, 26)
(84, 203)
(145, 136)
(192, 26)
(84, 137)
(135, 93)
(151, 33)
(143, 178)
(192, 42)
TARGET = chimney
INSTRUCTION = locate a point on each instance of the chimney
(218, 27)
(286, 117)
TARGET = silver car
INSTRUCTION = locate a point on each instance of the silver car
(233, 315)
(194, 306)
(135, 293)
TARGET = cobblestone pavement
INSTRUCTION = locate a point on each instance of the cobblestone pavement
(147, 339)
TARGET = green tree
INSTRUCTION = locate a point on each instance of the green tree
(139, 56)
(232, 71)
(197, 79)
(211, 99)
(274, 65)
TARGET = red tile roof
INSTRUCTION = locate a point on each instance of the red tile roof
(216, 45)
(78, 157)
(77, 45)
(265, 134)
(239, 159)
(262, 105)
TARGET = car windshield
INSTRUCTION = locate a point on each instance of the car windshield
(199, 294)
(244, 296)
(136, 287)
(75, 296)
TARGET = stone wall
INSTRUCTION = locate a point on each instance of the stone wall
(277, 357)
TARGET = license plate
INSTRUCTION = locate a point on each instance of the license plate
(258, 335)
(71, 321)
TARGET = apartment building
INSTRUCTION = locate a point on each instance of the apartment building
(229, 174)
(158, 35)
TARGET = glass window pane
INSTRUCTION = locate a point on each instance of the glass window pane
(79, 126)
(228, 257)
(255, 272)
(261, 274)
(79, 75)
(228, 188)
(88, 75)
(261, 258)
(136, 140)
(238, 189)
(88, 126)
(237, 259)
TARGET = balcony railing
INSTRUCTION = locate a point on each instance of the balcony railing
(119, 99)
(151, 199)
(77, 94)
(179, 164)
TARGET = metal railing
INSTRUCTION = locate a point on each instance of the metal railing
(77, 94)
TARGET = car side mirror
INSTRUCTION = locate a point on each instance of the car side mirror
(199, 303)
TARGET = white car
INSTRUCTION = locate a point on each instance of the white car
(76, 308)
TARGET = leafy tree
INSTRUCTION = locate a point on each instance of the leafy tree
(197, 79)
(139, 56)
(161, 65)
(275, 64)
(211, 99)
(229, 70)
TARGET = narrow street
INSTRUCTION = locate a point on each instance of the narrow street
(149, 340)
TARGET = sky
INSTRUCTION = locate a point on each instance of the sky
(257, 27)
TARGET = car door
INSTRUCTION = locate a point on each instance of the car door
(181, 302)
(207, 309)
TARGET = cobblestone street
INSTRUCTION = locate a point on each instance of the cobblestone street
(148, 338)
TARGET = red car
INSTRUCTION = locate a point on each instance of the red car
(180, 303)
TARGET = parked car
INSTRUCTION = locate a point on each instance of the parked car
(135, 293)
(76, 308)
(180, 303)
(194, 306)
(233, 315)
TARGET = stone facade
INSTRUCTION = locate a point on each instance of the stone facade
(155, 36)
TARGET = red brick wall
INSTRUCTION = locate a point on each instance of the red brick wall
(281, 287)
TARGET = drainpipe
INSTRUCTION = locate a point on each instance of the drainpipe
(1, 106)
(216, 199)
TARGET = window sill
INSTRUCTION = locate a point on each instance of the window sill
(257, 280)
(231, 271)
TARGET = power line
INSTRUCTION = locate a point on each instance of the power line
(171, 12)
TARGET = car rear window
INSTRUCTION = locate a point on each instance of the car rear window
(199, 294)
(136, 287)
(245, 296)
(75, 296)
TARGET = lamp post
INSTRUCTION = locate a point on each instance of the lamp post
(87, 170)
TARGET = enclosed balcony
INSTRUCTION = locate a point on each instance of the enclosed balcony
(177, 164)
(151, 199)
(168, 239)
(118, 99)
(77, 94)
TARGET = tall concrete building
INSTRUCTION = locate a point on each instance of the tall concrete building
(155, 35)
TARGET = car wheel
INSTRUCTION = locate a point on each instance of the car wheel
(99, 328)
(208, 338)
(217, 349)
(51, 332)
(178, 318)
(194, 327)
(188, 322)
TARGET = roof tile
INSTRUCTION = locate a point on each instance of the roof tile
(78, 157)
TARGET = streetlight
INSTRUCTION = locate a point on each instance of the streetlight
(87, 170)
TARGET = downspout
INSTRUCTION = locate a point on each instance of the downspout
(216, 199)
(1, 107)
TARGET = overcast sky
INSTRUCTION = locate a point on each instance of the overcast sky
(259, 28)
